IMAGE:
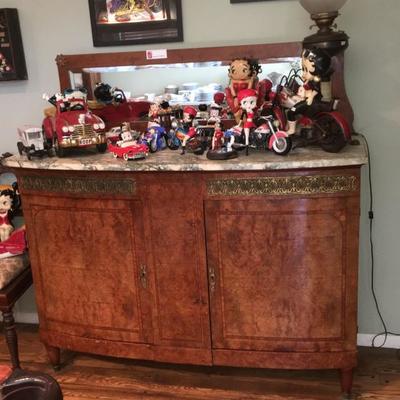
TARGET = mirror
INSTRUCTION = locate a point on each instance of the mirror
(148, 74)
(183, 83)
(192, 64)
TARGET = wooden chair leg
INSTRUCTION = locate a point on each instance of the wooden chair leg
(11, 337)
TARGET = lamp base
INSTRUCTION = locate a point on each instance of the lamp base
(327, 38)
(331, 41)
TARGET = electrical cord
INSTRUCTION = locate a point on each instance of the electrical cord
(385, 332)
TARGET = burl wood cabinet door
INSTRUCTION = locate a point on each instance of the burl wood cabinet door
(174, 230)
(87, 256)
(283, 273)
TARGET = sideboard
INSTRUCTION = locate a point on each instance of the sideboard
(250, 262)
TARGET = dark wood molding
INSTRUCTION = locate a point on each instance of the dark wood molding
(76, 62)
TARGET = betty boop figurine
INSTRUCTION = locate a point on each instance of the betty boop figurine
(248, 102)
(242, 75)
(188, 131)
(9, 202)
(316, 65)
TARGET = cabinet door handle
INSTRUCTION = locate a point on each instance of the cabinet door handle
(143, 276)
(211, 278)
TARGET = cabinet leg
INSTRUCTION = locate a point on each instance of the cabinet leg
(11, 337)
(346, 380)
(53, 354)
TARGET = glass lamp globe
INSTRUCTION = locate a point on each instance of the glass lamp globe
(324, 12)
(322, 6)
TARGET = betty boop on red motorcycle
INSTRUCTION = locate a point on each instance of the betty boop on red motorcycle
(316, 66)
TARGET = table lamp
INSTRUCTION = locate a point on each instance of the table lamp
(324, 12)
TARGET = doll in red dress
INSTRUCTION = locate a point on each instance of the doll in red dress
(242, 75)
(248, 102)
(188, 130)
(8, 204)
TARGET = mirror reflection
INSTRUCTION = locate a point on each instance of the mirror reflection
(179, 83)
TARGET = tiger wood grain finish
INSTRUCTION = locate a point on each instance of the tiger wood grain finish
(175, 271)
(298, 254)
(175, 234)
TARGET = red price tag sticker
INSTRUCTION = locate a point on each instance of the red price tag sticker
(156, 54)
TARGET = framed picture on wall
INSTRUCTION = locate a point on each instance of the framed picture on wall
(123, 22)
(12, 58)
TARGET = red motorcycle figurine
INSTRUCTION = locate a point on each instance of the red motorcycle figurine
(298, 104)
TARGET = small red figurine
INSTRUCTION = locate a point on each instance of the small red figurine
(187, 131)
(215, 112)
(219, 102)
(221, 149)
(218, 137)
(248, 102)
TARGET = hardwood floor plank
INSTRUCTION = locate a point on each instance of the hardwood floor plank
(91, 377)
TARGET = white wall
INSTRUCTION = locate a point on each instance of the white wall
(50, 27)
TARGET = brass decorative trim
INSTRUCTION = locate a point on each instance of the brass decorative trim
(78, 185)
(278, 186)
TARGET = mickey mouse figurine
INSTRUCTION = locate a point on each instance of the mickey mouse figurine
(316, 65)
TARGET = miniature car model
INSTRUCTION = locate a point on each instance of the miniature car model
(113, 135)
(73, 125)
(32, 142)
(114, 108)
(132, 152)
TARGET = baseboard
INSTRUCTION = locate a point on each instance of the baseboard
(365, 339)
(26, 318)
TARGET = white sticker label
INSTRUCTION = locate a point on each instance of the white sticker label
(156, 54)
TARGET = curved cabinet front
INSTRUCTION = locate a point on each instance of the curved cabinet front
(229, 268)
(119, 265)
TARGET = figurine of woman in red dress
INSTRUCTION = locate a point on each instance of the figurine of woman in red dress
(242, 75)
(187, 130)
(8, 201)
(248, 102)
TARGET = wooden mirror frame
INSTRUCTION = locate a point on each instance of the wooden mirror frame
(75, 63)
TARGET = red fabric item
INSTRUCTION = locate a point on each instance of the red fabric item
(4, 219)
(15, 244)
(219, 97)
(249, 122)
(190, 110)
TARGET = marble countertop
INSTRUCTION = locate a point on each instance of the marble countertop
(169, 160)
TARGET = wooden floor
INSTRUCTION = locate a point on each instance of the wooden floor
(88, 377)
